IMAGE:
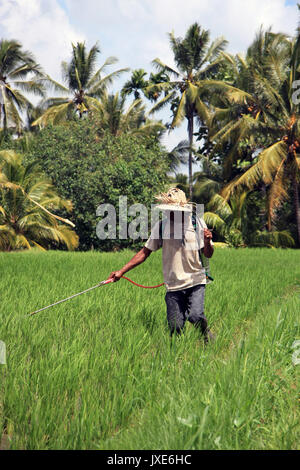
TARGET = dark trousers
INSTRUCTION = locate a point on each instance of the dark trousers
(186, 304)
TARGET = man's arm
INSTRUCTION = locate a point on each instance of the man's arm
(137, 259)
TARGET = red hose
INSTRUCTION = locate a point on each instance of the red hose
(140, 285)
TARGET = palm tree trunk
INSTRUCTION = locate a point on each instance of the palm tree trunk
(269, 218)
(296, 203)
(262, 212)
(191, 135)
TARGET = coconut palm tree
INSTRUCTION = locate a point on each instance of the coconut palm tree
(154, 93)
(113, 116)
(84, 84)
(27, 202)
(245, 109)
(19, 73)
(136, 84)
(276, 112)
(196, 59)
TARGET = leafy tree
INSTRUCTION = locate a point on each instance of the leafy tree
(90, 167)
(84, 84)
(27, 202)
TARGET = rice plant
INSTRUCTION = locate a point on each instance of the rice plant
(100, 371)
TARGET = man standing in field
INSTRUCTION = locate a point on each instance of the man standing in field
(184, 276)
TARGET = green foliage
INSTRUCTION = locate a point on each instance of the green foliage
(91, 168)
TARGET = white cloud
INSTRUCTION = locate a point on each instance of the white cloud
(42, 27)
(140, 22)
(132, 9)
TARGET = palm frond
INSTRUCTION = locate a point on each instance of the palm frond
(180, 111)
(54, 114)
(271, 159)
(161, 67)
(215, 49)
(273, 239)
(163, 102)
(248, 179)
(29, 199)
(52, 84)
(99, 87)
(278, 191)
(97, 76)
(220, 206)
(215, 221)
(207, 186)
(149, 128)
(31, 86)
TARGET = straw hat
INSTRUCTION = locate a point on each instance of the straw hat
(174, 200)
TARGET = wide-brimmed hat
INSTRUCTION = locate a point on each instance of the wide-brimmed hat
(174, 200)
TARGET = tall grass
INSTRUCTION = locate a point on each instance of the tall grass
(100, 372)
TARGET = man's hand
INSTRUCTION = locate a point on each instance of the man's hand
(207, 235)
(115, 275)
(135, 261)
(208, 249)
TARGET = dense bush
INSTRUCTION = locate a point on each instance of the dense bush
(90, 169)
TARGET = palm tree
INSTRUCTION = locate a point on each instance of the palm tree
(245, 108)
(274, 110)
(136, 84)
(27, 202)
(18, 72)
(113, 116)
(154, 93)
(84, 84)
(196, 59)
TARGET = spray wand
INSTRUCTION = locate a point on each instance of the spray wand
(107, 281)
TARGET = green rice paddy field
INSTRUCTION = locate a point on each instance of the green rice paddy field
(100, 371)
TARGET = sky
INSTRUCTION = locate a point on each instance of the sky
(135, 31)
